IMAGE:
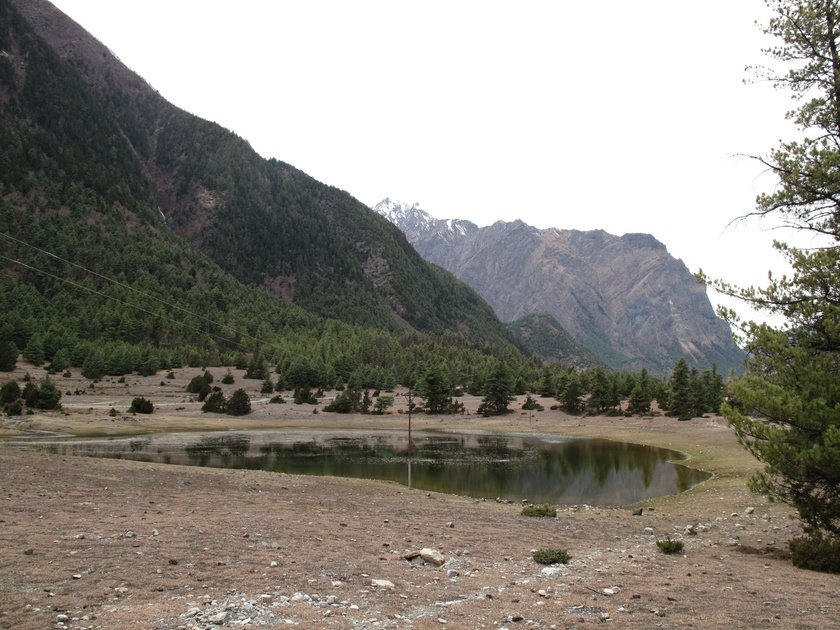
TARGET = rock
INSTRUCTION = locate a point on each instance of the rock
(386, 584)
(273, 564)
(432, 556)
(218, 618)
(451, 573)
(28, 552)
(450, 525)
(690, 530)
(648, 531)
(749, 510)
(638, 512)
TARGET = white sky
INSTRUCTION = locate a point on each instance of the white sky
(614, 115)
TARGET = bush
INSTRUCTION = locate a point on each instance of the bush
(669, 546)
(227, 379)
(141, 405)
(13, 408)
(277, 400)
(200, 385)
(215, 403)
(816, 553)
(239, 404)
(540, 510)
(267, 386)
(551, 556)
(531, 405)
(10, 392)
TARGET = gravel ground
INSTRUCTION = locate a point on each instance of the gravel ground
(97, 543)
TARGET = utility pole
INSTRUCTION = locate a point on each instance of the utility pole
(410, 409)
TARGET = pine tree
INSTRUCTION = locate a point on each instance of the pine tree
(680, 403)
(498, 392)
(785, 408)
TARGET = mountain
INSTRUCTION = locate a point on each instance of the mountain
(623, 298)
(99, 169)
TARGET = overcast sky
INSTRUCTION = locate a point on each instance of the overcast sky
(614, 115)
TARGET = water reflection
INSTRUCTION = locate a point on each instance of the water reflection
(513, 467)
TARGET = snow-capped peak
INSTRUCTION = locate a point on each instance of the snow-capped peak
(404, 216)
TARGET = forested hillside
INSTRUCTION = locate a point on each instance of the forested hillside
(139, 234)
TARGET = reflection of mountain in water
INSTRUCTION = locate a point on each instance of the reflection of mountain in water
(515, 467)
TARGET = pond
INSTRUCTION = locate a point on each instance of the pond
(539, 468)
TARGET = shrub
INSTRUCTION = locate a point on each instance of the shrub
(531, 404)
(304, 396)
(278, 400)
(10, 392)
(267, 386)
(540, 510)
(551, 556)
(239, 404)
(343, 403)
(13, 408)
(200, 385)
(215, 403)
(669, 546)
(227, 379)
(141, 405)
(816, 553)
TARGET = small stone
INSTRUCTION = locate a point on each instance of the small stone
(432, 556)
(648, 531)
(749, 510)
(386, 584)
(62, 618)
(77, 576)
(173, 561)
(690, 530)
(274, 564)
(28, 552)
(450, 525)
(609, 591)
(451, 573)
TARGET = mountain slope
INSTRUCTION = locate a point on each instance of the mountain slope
(88, 138)
(625, 299)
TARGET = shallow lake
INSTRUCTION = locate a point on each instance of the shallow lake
(539, 468)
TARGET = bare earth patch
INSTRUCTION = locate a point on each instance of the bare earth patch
(95, 543)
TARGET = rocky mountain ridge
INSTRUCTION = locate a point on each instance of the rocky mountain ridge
(623, 298)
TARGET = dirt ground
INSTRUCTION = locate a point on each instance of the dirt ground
(100, 543)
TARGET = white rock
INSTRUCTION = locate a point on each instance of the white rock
(432, 556)
(386, 584)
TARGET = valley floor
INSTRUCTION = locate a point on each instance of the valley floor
(99, 543)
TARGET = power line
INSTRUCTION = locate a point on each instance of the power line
(123, 302)
(123, 285)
